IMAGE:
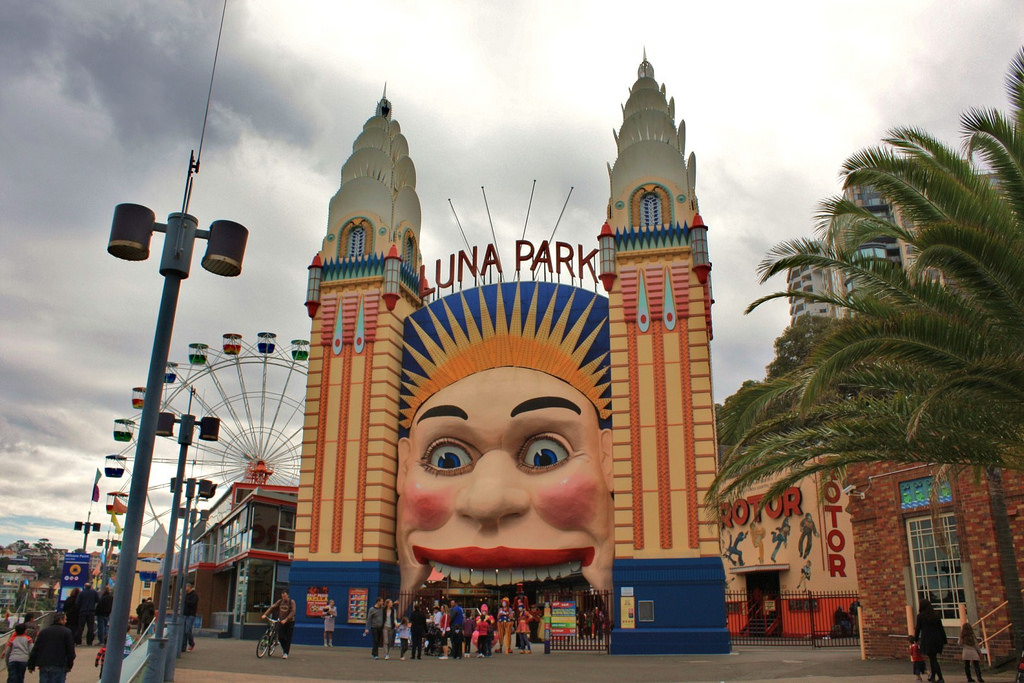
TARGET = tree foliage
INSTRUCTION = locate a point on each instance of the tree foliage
(929, 366)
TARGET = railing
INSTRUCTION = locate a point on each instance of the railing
(792, 618)
(984, 642)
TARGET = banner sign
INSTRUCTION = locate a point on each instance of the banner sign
(563, 618)
(627, 608)
(358, 599)
(316, 601)
(75, 574)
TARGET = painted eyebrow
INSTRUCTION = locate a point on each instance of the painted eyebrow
(443, 411)
(542, 402)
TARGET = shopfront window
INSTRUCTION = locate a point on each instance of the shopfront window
(935, 563)
(235, 537)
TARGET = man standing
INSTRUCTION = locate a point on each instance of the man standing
(54, 652)
(189, 612)
(456, 618)
(88, 601)
(103, 614)
(375, 624)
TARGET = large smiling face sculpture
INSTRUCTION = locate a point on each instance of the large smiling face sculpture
(505, 473)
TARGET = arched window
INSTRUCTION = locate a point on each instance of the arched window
(409, 252)
(356, 242)
(650, 209)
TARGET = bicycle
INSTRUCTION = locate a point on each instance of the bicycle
(268, 642)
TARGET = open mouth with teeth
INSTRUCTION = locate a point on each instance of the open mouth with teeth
(503, 566)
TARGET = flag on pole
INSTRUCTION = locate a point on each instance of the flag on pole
(96, 487)
(117, 525)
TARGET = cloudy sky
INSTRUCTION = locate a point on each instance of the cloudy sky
(102, 102)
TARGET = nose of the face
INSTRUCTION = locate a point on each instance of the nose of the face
(493, 496)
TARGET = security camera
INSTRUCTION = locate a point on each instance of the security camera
(848, 489)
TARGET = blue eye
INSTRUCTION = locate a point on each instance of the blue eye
(447, 457)
(543, 453)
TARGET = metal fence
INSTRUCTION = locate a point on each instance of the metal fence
(823, 619)
(594, 619)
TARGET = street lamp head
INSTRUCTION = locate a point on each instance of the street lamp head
(130, 232)
(209, 429)
(165, 424)
(225, 248)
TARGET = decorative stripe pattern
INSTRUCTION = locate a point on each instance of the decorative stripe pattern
(661, 432)
(634, 430)
(328, 312)
(318, 452)
(627, 278)
(364, 445)
(344, 391)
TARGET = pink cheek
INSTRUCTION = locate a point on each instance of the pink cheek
(425, 509)
(573, 504)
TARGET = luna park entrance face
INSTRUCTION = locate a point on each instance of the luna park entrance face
(525, 619)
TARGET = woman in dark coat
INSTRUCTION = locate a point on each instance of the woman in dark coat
(71, 610)
(418, 621)
(930, 635)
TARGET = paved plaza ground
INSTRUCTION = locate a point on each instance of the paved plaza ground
(233, 661)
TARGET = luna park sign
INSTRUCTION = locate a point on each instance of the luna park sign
(553, 258)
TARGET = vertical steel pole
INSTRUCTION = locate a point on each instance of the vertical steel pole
(178, 243)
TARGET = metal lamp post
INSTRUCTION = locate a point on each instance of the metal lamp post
(160, 667)
(206, 489)
(130, 234)
(87, 526)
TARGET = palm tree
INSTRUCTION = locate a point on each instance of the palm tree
(929, 365)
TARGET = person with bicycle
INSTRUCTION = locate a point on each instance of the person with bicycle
(285, 607)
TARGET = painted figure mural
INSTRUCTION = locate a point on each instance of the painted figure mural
(516, 487)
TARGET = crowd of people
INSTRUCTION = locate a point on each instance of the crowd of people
(446, 630)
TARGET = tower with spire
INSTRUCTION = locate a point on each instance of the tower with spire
(656, 269)
(363, 282)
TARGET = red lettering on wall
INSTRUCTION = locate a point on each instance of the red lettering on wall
(470, 265)
(451, 273)
(739, 512)
(542, 257)
(835, 541)
(586, 262)
(491, 260)
(563, 254)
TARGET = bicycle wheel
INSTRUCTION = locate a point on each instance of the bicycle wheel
(273, 644)
(263, 647)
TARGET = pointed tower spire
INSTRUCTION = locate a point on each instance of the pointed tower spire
(645, 70)
(384, 106)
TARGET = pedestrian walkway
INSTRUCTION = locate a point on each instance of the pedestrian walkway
(234, 661)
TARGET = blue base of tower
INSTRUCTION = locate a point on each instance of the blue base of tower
(339, 578)
(687, 601)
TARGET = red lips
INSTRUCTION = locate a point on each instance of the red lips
(502, 557)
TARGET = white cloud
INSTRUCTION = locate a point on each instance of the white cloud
(103, 102)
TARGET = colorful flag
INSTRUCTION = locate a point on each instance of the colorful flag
(96, 487)
(117, 525)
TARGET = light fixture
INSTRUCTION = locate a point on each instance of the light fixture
(392, 264)
(606, 246)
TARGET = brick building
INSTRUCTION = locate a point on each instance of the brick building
(902, 558)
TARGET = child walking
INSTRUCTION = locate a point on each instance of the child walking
(970, 653)
(917, 657)
(404, 631)
(16, 653)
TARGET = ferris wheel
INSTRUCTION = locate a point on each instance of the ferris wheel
(257, 391)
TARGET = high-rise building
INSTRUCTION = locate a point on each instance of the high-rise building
(817, 281)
